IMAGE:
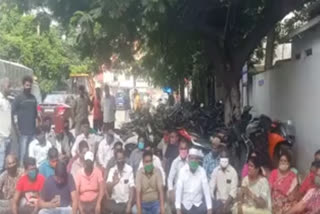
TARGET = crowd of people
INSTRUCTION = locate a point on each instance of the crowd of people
(88, 173)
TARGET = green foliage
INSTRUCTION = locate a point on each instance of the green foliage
(45, 52)
(180, 39)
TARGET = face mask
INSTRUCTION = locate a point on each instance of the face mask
(27, 90)
(141, 145)
(66, 128)
(120, 164)
(53, 164)
(88, 167)
(317, 181)
(12, 169)
(224, 162)
(193, 165)
(148, 168)
(214, 153)
(284, 167)
(109, 138)
(183, 154)
(32, 174)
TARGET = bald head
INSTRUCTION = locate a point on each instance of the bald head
(11, 163)
(11, 158)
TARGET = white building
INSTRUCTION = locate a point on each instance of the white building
(291, 91)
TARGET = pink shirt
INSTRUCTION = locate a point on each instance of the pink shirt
(88, 186)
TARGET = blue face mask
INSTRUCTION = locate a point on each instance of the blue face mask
(141, 145)
(32, 174)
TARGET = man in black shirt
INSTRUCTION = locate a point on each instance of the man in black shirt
(172, 151)
(24, 113)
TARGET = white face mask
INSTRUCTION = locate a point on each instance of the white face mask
(224, 162)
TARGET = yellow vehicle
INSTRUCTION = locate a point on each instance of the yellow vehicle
(85, 79)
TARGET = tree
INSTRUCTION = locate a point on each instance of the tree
(171, 31)
(46, 53)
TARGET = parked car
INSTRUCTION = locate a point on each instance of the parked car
(57, 107)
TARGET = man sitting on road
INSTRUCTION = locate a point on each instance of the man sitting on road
(39, 147)
(211, 160)
(66, 140)
(112, 162)
(8, 182)
(223, 185)
(193, 187)
(59, 193)
(176, 166)
(92, 139)
(120, 185)
(105, 149)
(156, 163)
(172, 151)
(136, 155)
(29, 186)
(49, 132)
(48, 166)
(78, 163)
(149, 187)
(90, 186)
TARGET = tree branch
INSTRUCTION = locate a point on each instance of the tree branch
(275, 12)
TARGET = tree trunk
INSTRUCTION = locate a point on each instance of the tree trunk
(269, 50)
(229, 78)
(232, 108)
(182, 90)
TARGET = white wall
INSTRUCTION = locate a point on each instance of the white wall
(291, 91)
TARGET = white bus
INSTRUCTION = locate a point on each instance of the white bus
(14, 72)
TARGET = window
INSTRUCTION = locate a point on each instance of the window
(298, 56)
(308, 52)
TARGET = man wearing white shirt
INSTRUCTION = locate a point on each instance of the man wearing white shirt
(109, 108)
(5, 125)
(105, 149)
(223, 185)
(193, 187)
(176, 166)
(39, 147)
(120, 186)
(92, 139)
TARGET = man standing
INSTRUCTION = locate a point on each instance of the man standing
(59, 193)
(192, 187)
(24, 114)
(97, 112)
(109, 109)
(211, 160)
(120, 185)
(80, 109)
(29, 186)
(5, 115)
(8, 182)
(149, 188)
(223, 185)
